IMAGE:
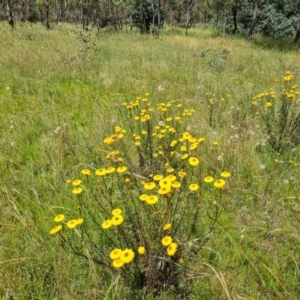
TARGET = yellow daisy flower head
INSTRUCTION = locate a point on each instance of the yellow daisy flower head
(77, 191)
(167, 227)
(117, 220)
(208, 179)
(117, 263)
(268, 104)
(71, 224)
(110, 170)
(141, 250)
(194, 161)
(173, 143)
(165, 182)
(86, 172)
(76, 182)
(166, 240)
(68, 181)
(181, 174)
(56, 229)
(59, 218)
(121, 169)
(115, 253)
(194, 187)
(100, 172)
(170, 170)
(152, 199)
(176, 184)
(117, 212)
(80, 221)
(172, 249)
(149, 185)
(164, 190)
(144, 197)
(157, 177)
(225, 174)
(220, 183)
(171, 178)
(127, 256)
(106, 224)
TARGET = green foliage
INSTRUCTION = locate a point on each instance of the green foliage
(147, 13)
(281, 115)
(274, 23)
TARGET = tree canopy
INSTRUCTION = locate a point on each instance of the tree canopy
(271, 18)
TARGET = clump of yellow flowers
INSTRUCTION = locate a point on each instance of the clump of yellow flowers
(153, 196)
(279, 111)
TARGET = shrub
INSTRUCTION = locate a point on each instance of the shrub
(147, 211)
(280, 113)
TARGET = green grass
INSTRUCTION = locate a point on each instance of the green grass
(60, 97)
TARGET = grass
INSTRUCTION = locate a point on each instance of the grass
(60, 95)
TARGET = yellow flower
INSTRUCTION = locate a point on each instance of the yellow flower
(268, 104)
(158, 177)
(59, 218)
(121, 169)
(127, 256)
(77, 191)
(68, 181)
(165, 182)
(80, 221)
(173, 143)
(117, 220)
(149, 185)
(100, 172)
(167, 227)
(117, 263)
(181, 174)
(56, 229)
(166, 241)
(86, 172)
(152, 199)
(220, 184)
(176, 184)
(184, 156)
(194, 161)
(164, 190)
(115, 253)
(194, 187)
(144, 197)
(141, 250)
(72, 224)
(76, 182)
(171, 178)
(110, 170)
(172, 249)
(183, 148)
(170, 170)
(225, 174)
(116, 212)
(106, 224)
(208, 179)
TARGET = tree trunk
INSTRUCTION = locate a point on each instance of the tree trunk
(9, 13)
(297, 36)
(234, 15)
(254, 19)
(47, 14)
(84, 16)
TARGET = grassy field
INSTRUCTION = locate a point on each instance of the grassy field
(61, 94)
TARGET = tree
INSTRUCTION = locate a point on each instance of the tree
(9, 13)
(147, 13)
